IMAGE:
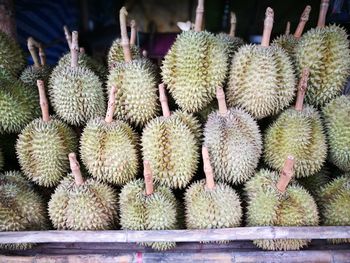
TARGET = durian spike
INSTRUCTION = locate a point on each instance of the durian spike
(44, 104)
(74, 49)
(75, 167)
(124, 34)
(208, 169)
(287, 29)
(233, 22)
(31, 44)
(323, 13)
(199, 16)
(133, 34)
(220, 96)
(286, 174)
(42, 55)
(163, 100)
(147, 174)
(68, 36)
(144, 53)
(82, 50)
(302, 87)
(268, 23)
(111, 105)
(303, 19)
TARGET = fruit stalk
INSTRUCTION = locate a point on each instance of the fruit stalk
(133, 33)
(302, 89)
(147, 174)
(302, 22)
(68, 36)
(268, 23)
(286, 174)
(42, 55)
(220, 96)
(124, 35)
(44, 105)
(287, 31)
(323, 13)
(31, 44)
(111, 105)
(233, 23)
(208, 169)
(163, 100)
(199, 16)
(74, 50)
(75, 167)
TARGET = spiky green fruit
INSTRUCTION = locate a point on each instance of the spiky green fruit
(194, 66)
(337, 122)
(42, 149)
(315, 182)
(157, 211)
(232, 44)
(234, 144)
(334, 201)
(212, 208)
(31, 74)
(261, 81)
(90, 206)
(267, 206)
(11, 56)
(116, 54)
(76, 95)
(136, 95)
(325, 51)
(109, 151)
(172, 150)
(191, 121)
(297, 133)
(286, 42)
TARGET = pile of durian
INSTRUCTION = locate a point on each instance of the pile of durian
(259, 135)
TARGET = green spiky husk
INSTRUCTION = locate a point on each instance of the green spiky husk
(192, 123)
(31, 74)
(42, 150)
(11, 56)
(116, 54)
(136, 95)
(315, 182)
(286, 42)
(325, 51)
(232, 44)
(299, 134)
(194, 66)
(261, 81)
(337, 122)
(234, 144)
(109, 151)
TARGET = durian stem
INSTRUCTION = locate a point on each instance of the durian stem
(303, 19)
(111, 105)
(124, 35)
(44, 104)
(323, 13)
(220, 96)
(133, 33)
(287, 31)
(199, 16)
(163, 100)
(42, 55)
(82, 50)
(286, 174)
(302, 86)
(74, 49)
(68, 36)
(75, 167)
(233, 23)
(208, 170)
(268, 23)
(144, 53)
(147, 174)
(31, 44)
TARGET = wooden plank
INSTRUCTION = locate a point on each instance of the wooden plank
(239, 233)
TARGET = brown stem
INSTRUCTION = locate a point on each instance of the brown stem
(82, 50)
(111, 105)
(233, 23)
(199, 16)
(31, 44)
(286, 174)
(208, 170)
(42, 55)
(303, 19)
(74, 50)
(287, 29)
(124, 35)
(323, 13)
(268, 23)
(302, 86)
(220, 96)
(44, 104)
(75, 167)
(7, 18)
(133, 32)
(147, 174)
(163, 100)
(68, 36)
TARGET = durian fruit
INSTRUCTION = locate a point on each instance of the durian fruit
(171, 147)
(196, 63)
(337, 122)
(144, 206)
(11, 56)
(43, 146)
(287, 41)
(297, 131)
(209, 204)
(136, 82)
(37, 71)
(76, 92)
(234, 142)
(191, 121)
(315, 182)
(109, 148)
(18, 105)
(325, 51)
(261, 78)
(79, 204)
(272, 202)
(21, 209)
